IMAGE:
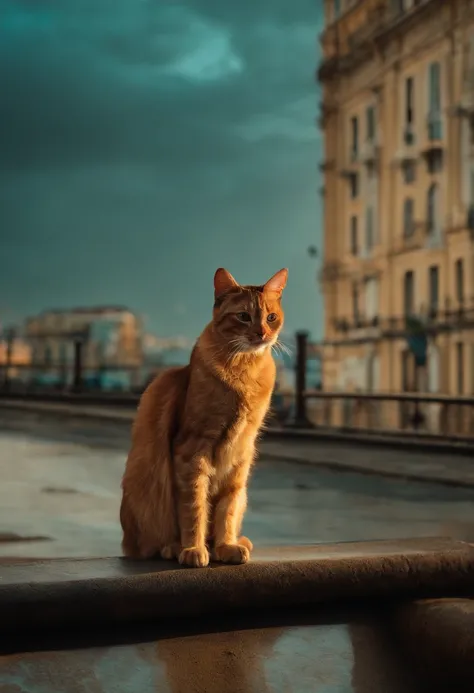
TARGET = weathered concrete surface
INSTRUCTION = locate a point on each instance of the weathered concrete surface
(102, 592)
(264, 627)
(62, 480)
(448, 467)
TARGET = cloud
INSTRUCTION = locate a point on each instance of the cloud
(143, 138)
(206, 54)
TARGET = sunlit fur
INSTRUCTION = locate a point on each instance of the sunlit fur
(193, 440)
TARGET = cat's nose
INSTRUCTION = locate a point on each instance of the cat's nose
(261, 335)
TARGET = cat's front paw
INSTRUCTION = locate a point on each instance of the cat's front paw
(245, 541)
(194, 557)
(231, 553)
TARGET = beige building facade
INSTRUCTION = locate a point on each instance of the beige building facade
(15, 357)
(111, 337)
(397, 115)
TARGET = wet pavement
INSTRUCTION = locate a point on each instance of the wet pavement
(332, 658)
(60, 496)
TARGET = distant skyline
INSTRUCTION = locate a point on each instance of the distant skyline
(145, 143)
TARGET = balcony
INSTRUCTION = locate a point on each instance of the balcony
(326, 165)
(433, 139)
(407, 152)
(331, 271)
(351, 163)
(412, 239)
(358, 328)
(433, 320)
(465, 107)
(369, 153)
(326, 111)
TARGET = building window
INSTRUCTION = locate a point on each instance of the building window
(409, 172)
(354, 236)
(435, 162)
(459, 279)
(354, 138)
(434, 106)
(369, 228)
(370, 123)
(354, 185)
(371, 299)
(47, 356)
(460, 367)
(355, 303)
(433, 290)
(408, 135)
(408, 217)
(432, 211)
(409, 293)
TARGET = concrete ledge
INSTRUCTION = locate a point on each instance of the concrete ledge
(112, 590)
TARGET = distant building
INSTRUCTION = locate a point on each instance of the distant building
(398, 120)
(16, 353)
(111, 338)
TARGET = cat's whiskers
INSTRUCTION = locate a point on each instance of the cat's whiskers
(284, 348)
(236, 345)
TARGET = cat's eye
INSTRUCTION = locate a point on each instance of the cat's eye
(271, 317)
(244, 317)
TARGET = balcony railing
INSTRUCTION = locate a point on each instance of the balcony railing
(369, 152)
(407, 151)
(412, 238)
(454, 315)
(433, 140)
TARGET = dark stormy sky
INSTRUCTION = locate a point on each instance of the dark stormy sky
(144, 143)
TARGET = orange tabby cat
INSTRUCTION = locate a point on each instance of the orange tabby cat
(193, 440)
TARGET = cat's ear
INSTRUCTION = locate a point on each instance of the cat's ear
(223, 282)
(277, 283)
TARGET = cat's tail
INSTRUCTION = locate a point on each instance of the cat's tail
(148, 509)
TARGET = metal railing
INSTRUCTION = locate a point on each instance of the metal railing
(434, 416)
(20, 378)
(404, 414)
(423, 415)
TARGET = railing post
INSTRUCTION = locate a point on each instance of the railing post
(77, 382)
(301, 418)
